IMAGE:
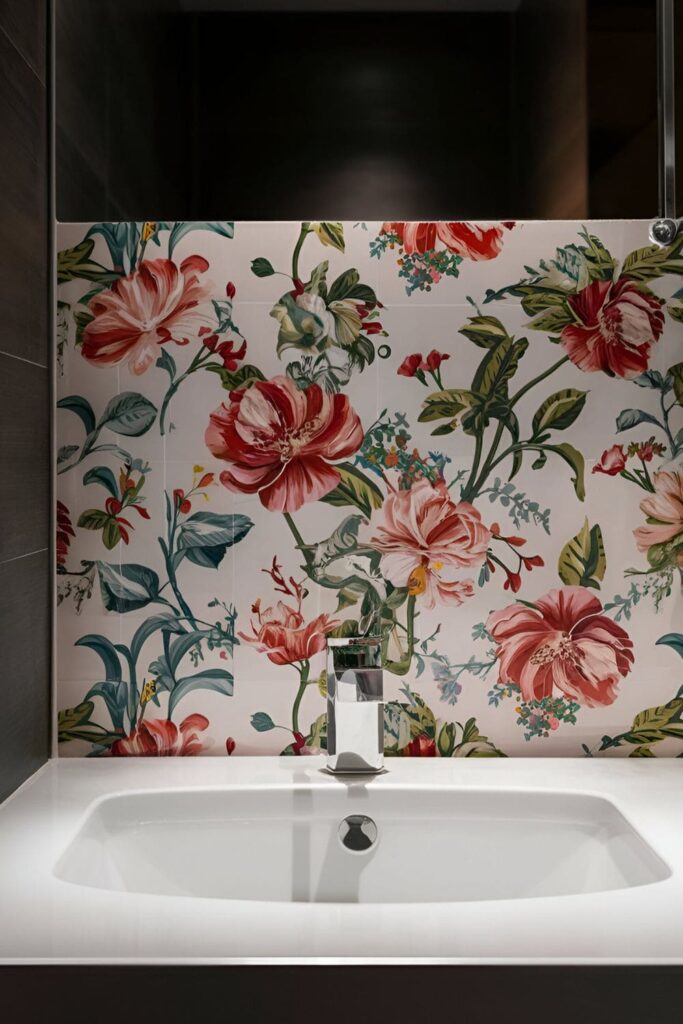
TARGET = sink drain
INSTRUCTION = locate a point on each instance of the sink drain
(358, 833)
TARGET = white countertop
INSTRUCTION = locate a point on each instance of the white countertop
(43, 918)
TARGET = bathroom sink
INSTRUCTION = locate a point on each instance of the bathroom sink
(424, 844)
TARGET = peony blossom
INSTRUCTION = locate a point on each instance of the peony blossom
(612, 461)
(564, 642)
(158, 302)
(664, 511)
(162, 738)
(471, 241)
(281, 440)
(618, 323)
(421, 531)
(281, 633)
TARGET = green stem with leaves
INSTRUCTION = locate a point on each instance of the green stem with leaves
(305, 230)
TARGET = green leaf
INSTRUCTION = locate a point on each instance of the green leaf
(536, 298)
(129, 413)
(102, 475)
(107, 652)
(676, 374)
(673, 640)
(69, 719)
(216, 679)
(552, 320)
(205, 536)
(111, 534)
(582, 561)
(348, 286)
(262, 722)
(498, 367)
(484, 331)
(125, 588)
(82, 408)
(231, 380)
(76, 263)
(81, 318)
(93, 519)
(676, 313)
(446, 404)
(354, 488)
(574, 459)
(330, 233)
(262, 267)
(653, 261)
(166, 362)
(559, 410)
(226, 228)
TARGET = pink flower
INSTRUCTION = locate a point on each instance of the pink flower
(281, 440)
(161, 738)
(158, 302)
(564, 641)
(281, 633)
(420, 531)
(619, 322)
(664, 510)
(612, 461)
(471, 241)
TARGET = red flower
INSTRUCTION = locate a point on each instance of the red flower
(281, 440)
(612, 461)
(435, 359)
(564, 641)
(65, 532)
(181, 502)
(230, 290)
(410, 365)
(158, 302)
(161, 738)
(230, 745)
(619, 322)
(471, 241)
(230, 357)
(281, 633)
(421, 746)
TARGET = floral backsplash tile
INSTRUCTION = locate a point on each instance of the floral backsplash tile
(467, 437)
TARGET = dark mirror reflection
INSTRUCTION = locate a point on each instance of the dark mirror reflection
(361, 109)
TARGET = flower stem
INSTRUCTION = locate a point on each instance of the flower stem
(399, 668)
(305, 230)
(303, 683)
(300, 542)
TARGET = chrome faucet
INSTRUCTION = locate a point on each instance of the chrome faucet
(355, 707)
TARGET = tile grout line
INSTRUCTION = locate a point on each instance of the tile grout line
(20, 53)
(21, 359)
(26, 554)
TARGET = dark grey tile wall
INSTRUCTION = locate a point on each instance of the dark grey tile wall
(25, 555)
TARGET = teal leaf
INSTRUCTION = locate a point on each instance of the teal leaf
(115, 696)
(82, 408)
(125, 588)
(102, 475)
(129, 413)
(628, 418)
(673, 640)
(167, 362)
(226, 228)
(107, 652)
(205, 536)
(166, 623)
(216, 679)
(262, 722)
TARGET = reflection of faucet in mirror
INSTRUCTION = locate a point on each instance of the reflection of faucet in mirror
(355, 708)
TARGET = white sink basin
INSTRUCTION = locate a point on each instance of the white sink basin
(433, 845)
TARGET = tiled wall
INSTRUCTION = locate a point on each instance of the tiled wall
(467, 436)
(25, 575)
